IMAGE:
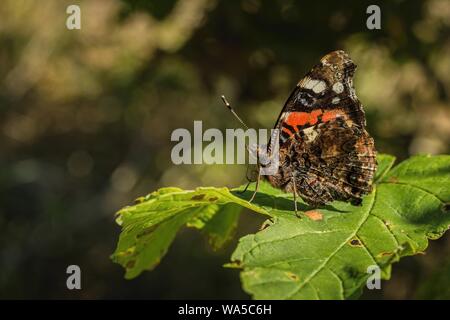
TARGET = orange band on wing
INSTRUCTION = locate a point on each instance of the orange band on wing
(330, 115)
(313, 116)
(295, 119)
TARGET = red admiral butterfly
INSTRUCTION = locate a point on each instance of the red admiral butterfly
(325, 152)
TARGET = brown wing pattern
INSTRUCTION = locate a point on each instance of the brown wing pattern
(324, 147)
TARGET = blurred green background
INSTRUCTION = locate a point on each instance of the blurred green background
(86, 117)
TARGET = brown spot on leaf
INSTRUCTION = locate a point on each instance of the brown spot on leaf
(292, 276)
(393, 179)
(145, 232)
(314, 215)
(384, 254)
(355, 242)
(198, 197)
(130, 264)
(128, 252)
(213, 199)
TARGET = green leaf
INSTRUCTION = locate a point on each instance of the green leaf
(221, 227)
(328, 258)
(149, 227)
(323, 255)
(385, 163)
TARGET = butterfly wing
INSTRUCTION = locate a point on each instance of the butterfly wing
(323, 95)
(336, 163)
(324, 147)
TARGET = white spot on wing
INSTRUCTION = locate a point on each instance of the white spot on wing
(310, 134)
(315, 85)
(335, 100)
(338, 87)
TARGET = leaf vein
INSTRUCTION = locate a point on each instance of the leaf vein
(416, 187)
(323, 265)
(340, 281)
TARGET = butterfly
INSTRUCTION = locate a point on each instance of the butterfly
(324, 150)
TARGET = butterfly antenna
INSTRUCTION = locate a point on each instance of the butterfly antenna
(227, 104)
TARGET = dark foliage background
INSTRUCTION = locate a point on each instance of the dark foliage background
(86, 118)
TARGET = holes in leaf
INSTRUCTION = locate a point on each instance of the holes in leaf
(198, 197)
(292, 276)
(355, 242)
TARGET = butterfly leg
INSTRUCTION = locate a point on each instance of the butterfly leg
(245, 189)
(256, 187)
(249, 181)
